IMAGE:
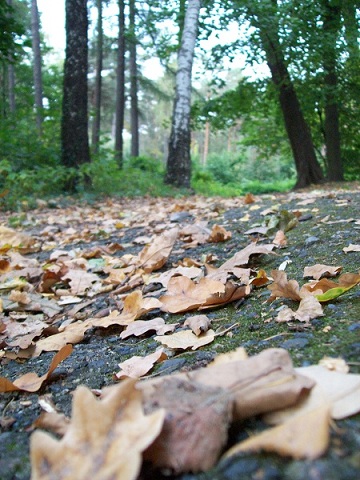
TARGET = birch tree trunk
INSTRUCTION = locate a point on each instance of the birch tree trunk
(120, 87)
(178, 168)
(38, 90)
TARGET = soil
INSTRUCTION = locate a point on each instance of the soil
(327, 224)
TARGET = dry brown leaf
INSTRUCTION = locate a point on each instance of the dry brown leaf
(155, 255)
(185, 339)
(335, 364)
(233, 356)
(198, 324)
(304, 436)
(184, 294)
(309, 308)
(163, 278)
(30, 382)
(113, 433)
(340, 390)
(139, 327)
(324, 284)
(22, 334)
(282, 287)
(218, 234)
(81, 281)
(280, 239)
(54, 422)
(352, 248)
(317, 271)
(195, 427)
(231, 294)
(12, 238)
(136, 367)
(242, 257)
(249, 198)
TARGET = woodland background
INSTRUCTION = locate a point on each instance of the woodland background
(243, 133)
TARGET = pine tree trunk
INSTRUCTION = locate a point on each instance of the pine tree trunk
(74, 123)
(133, 83)
(38, 89)
(178, 169)
(120, 88)
(95, 138)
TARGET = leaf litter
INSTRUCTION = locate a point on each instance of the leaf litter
(184, 402)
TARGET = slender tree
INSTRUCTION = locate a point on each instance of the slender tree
(37, 61)
(134, 113)
(120, 87)
(331, 16)
(74, 123)
(264, 17)
(178, 168)
(11, 79)
(95, 137)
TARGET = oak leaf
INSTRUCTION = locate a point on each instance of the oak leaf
(155, 255)
(136, 367)
(184, 294)
(186, 339)
(282, 287)
(218, 234)
(309, 308)
(139, 327)
(319, 270)
(104, 441)
(198, 324)
(31, 382)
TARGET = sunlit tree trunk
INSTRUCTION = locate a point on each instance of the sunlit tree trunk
(178, 168)
(120, 87)
(133, 82)
(38, 90)
(74, 123)
(95, 137)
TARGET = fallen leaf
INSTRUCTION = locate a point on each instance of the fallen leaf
(304, 436)
(198, 324)
(113, 432)
(282, 287)
(218, 234)
(352, 248)
(136, 367)
(184, 294)
(280, 239)
(335, 364)
(309, 308)
(317, 271)
(155, 255)
(11, 238)
(186, 339)
(31, 382)
(195, 427)
(139, 327)
(54, 422)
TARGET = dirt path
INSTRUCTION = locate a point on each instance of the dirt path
(326, 222)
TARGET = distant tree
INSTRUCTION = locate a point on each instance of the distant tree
(37, 65)
(120, 86)
(95, 133)
(74, 124)
(134, 113)
(178, 168)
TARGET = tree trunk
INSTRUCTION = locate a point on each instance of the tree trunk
(38, 89)
(133, 83)
(74, 123)
(120, 88)
(307, 167)
(178, 169)
(11, 79)
(331, 27)
(95, 137)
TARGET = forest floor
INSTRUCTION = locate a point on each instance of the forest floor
(94, 256)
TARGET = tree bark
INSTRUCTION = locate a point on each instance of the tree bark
(38, 89)
(74, 123)
(95, 137)
(178, 168)
(11, 79)
(331, 27)
(133, 82)
(120, 88)
(307, 167)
